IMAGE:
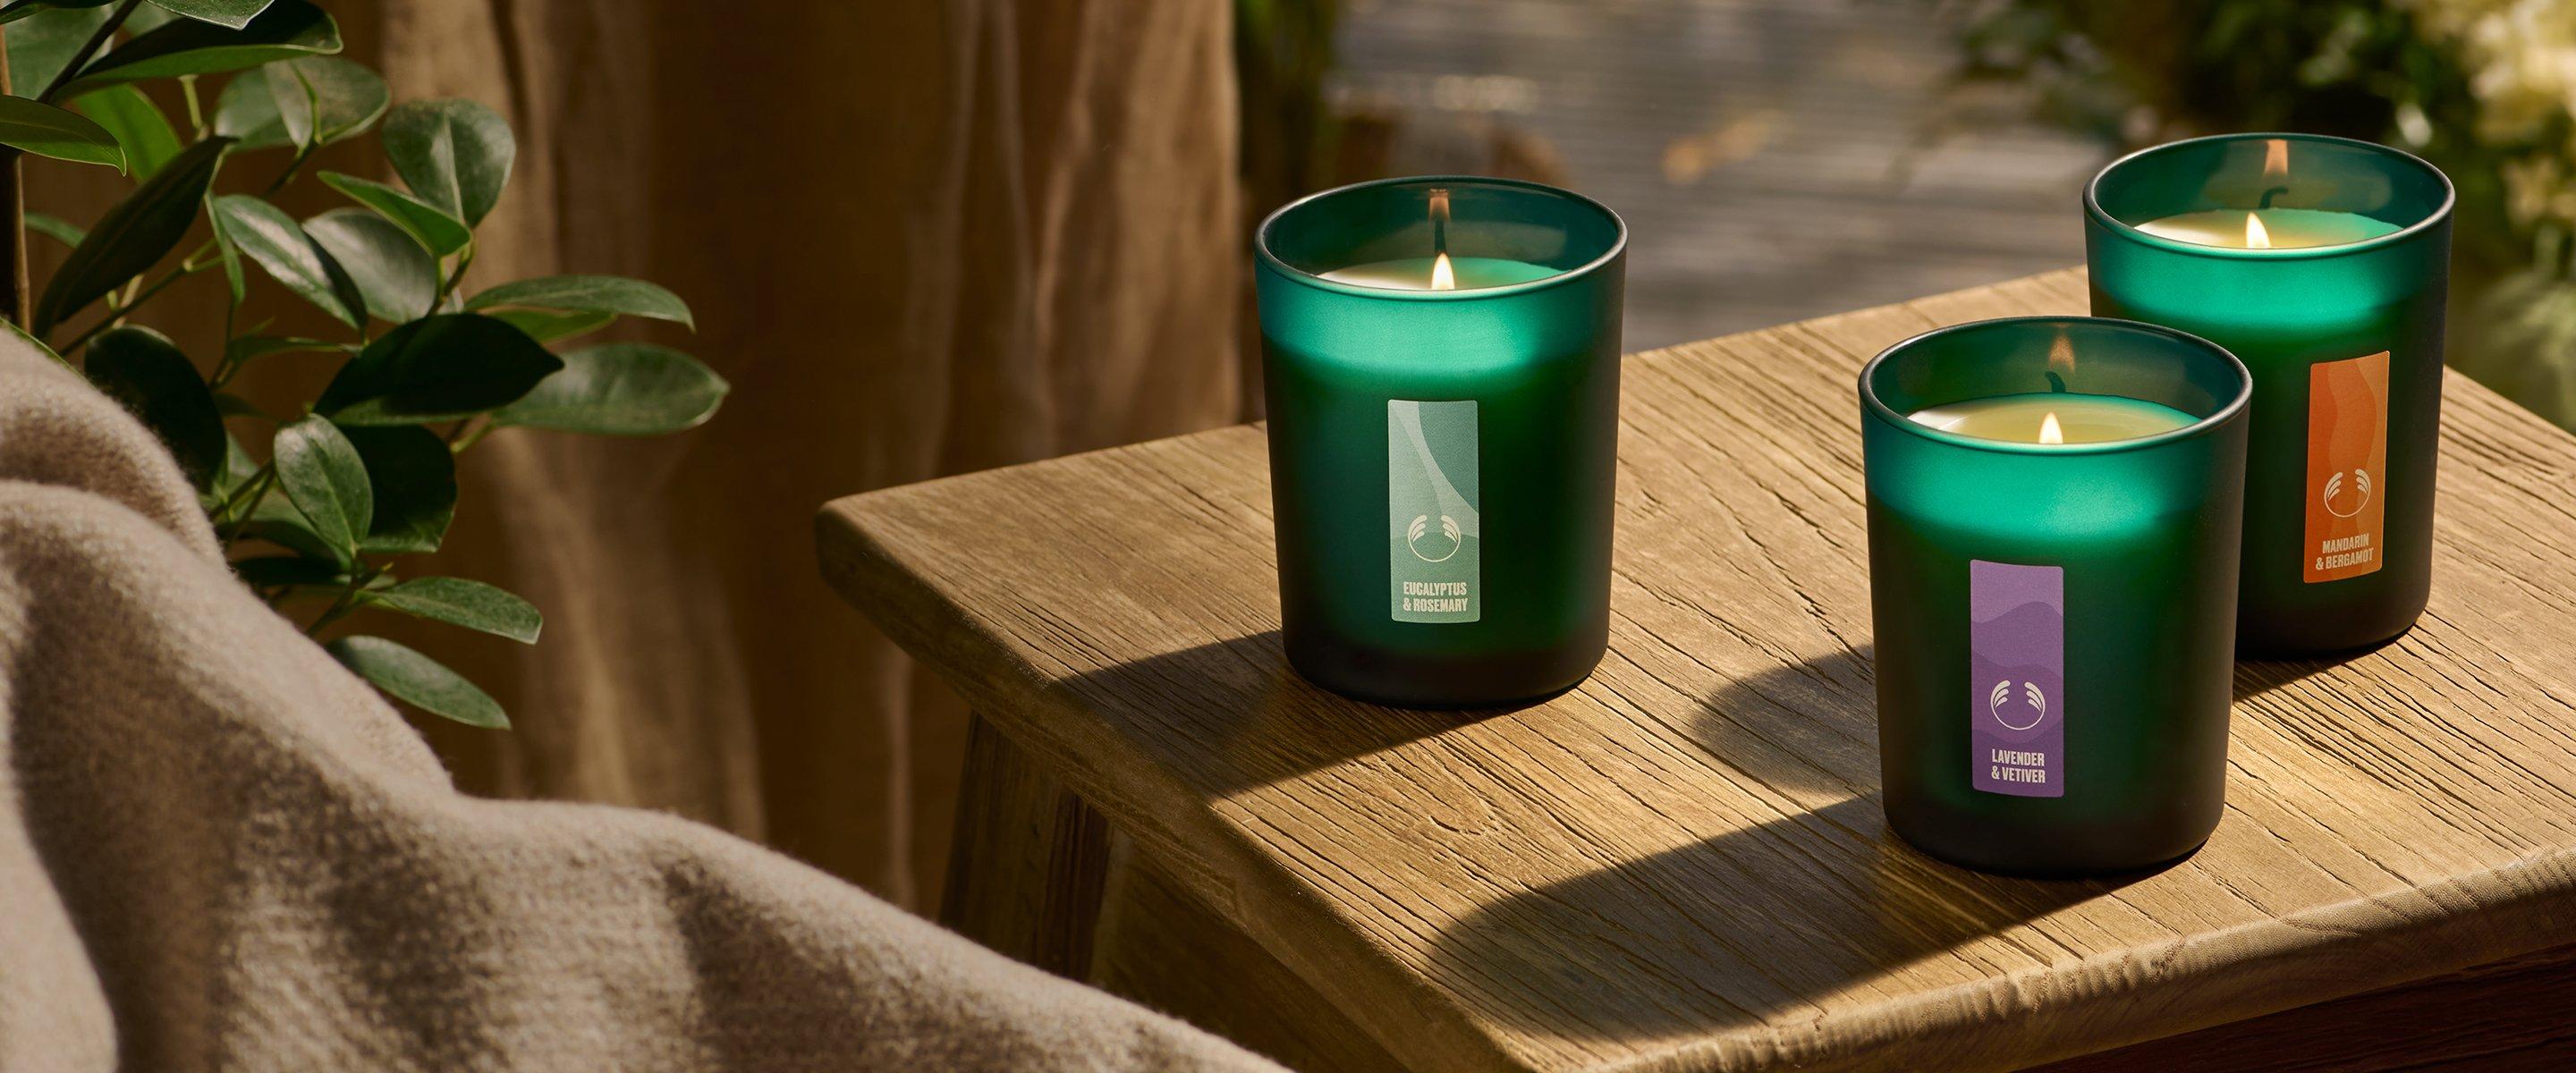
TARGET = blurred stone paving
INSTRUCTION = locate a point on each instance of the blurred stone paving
(1774, 159)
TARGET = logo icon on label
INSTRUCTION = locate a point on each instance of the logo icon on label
(2031, 698)
(2335, 489)
(1414, 533)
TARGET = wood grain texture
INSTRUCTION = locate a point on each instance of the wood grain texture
(1681, 864)
(2514, 1015)
(1157, 945)
(1031, 860)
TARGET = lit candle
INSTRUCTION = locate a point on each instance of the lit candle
(2268, 229)
(1440, 272)
(2053, 507)
(1440, 359)
(2323, 264)
(2054, 418)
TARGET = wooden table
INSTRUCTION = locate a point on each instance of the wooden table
(1682, 863)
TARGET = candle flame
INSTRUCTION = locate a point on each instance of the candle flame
(2048, 430)
(2256, 238)
(2276, 158)
(1443, 277)
(2061, 354)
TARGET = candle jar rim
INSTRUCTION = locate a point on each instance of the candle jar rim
(2235, 404)
(1617, 245)
(2441, 212)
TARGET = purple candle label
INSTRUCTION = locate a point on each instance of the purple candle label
(2017, 678)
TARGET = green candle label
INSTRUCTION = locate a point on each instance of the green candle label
(1434, 554)
(2347, 466)
(2017, 679)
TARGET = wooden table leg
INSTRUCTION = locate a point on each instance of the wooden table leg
(1026, 870)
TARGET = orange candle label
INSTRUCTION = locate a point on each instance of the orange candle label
(2347, 466)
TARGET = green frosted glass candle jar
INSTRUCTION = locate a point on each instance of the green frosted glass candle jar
(1441, 364)
(2053, 517)
(2323, 264)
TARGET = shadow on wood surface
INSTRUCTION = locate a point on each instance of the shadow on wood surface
(1810, 726)
(1651, 948)
(1232, 715)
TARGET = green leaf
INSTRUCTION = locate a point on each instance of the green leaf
(290, 256)
(270, 570)
(394, 275)
(231, 405)
(56, 228)
(471, 604)
(438, 368)
(238, 468)
(132, 235)
(232, 13)
(326, 479)
(594, 294)
(275, 520)
(146, 372)
(297, 103)
(413, 475)
(229, 249)
(15, 10)
(137, 124)
(59, 133)
(454, 153)
(246, 112)
(346, 96)
(259, 346)
(418, 680)
(43, 40)
(435, 230)
(289, 29)
(144, 20)
(546, 325)
(620, 389)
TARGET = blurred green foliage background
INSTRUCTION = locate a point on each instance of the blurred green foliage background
(2484, 89)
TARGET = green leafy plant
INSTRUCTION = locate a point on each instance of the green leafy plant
(2481, 88)
(316, 508)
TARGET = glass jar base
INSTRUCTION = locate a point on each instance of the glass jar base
(2069, 853)
(1441, 682)
(2312, 636)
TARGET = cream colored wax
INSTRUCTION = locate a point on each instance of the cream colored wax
(2268, 229)
(2054, 417)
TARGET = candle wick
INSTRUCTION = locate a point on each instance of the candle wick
(2265, 201)
(2056, 383)
(1439, 221)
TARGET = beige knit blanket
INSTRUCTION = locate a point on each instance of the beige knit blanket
(219, 850)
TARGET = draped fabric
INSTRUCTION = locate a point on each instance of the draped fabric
(221, 850)
(919, 238)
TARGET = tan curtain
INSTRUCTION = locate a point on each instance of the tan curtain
(920, 237)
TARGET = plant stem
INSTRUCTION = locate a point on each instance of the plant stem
(88, 51)
(347, 602)
(464, 260)
(21, 294)
(117, 316)
(117, 313)
(259, 485)
(16, 293)
(224, 365)
(248, 492)
(302, 153)
(456, 443)
(196, 112)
